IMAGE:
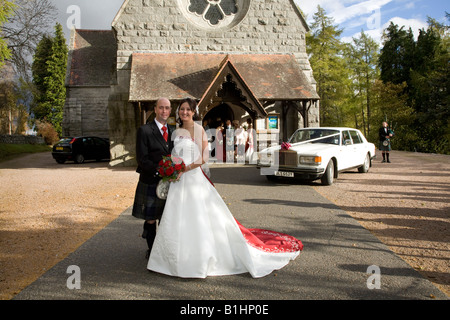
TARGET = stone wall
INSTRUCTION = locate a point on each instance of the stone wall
(18, 139)
(269, 26)
(260, 26)
(85, 112)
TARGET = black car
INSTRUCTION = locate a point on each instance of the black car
(79, 149)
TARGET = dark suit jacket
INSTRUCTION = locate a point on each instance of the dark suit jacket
(382, 134)
(150, 148)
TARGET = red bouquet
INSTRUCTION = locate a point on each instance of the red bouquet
(170, 167)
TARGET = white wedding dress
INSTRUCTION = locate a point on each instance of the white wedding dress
(199, 237)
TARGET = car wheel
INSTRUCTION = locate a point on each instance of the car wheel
(328, 177)
(271, 178)
(79, 158)
(365, 167)
(60, 161)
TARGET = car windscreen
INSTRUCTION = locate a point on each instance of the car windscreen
(316, 136)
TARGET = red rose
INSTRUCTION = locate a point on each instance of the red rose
(178, 167)
(169, 171)
(161, 171)
(167, 163)
(161, 163)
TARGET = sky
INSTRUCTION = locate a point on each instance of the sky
(372, 16)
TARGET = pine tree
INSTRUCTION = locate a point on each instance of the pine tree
(429, 88)
(325, 51)
(362, 57)
(40, 73)
(397, 55)
(424, 69)
(49, 71)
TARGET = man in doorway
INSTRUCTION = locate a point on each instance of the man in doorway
(229, 139)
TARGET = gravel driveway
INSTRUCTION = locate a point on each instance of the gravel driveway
(48, 210)
(405, 204)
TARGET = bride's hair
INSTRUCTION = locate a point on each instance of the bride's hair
(192, 105)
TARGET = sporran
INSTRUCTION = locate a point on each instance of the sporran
(162, 189)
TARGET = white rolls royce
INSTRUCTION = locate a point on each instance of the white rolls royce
(317, 153)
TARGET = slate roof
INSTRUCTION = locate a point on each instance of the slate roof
(92, 58)
(178, 75)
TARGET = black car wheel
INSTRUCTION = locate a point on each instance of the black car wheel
(60, 161)
(79, 158)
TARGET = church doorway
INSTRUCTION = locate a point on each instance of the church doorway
(218, 116)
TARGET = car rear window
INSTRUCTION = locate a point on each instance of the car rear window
(65, 140)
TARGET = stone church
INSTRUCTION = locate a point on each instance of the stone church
(240, 59)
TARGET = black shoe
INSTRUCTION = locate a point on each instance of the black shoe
(383, 161)
(388, 161)
(147, 254)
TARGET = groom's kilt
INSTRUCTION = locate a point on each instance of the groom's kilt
(146, 204)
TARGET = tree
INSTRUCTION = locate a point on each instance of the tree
(429, 88)
(397, 55)
(6, 10)
(7, 107)
(423, 66)
(49, 71)
(325, 55)
(390, 104)
(23, 30)
(40, 73)
(362, 58)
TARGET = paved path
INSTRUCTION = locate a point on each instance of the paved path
(334, 263)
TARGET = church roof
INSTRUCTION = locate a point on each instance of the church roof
(92, 58)
(179, 75)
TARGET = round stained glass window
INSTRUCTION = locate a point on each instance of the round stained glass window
(214, 14)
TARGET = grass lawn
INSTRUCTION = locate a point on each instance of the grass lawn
(10, 151)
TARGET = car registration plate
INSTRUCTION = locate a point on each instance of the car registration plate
(59, 148)
(284, 174)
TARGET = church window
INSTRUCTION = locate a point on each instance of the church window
(213, 10)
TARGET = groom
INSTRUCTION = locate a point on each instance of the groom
(153, 141)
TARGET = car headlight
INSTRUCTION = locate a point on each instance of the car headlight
(265, 157)
(316, 160)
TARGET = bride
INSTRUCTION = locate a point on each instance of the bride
(198, 236)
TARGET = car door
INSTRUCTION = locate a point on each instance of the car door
(358, 148)
(101, 149)
(88, 148)
(347, 152)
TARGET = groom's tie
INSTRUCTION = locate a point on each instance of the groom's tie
(165, 134)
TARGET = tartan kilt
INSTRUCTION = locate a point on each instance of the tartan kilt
(146, 204)
(382, 147)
